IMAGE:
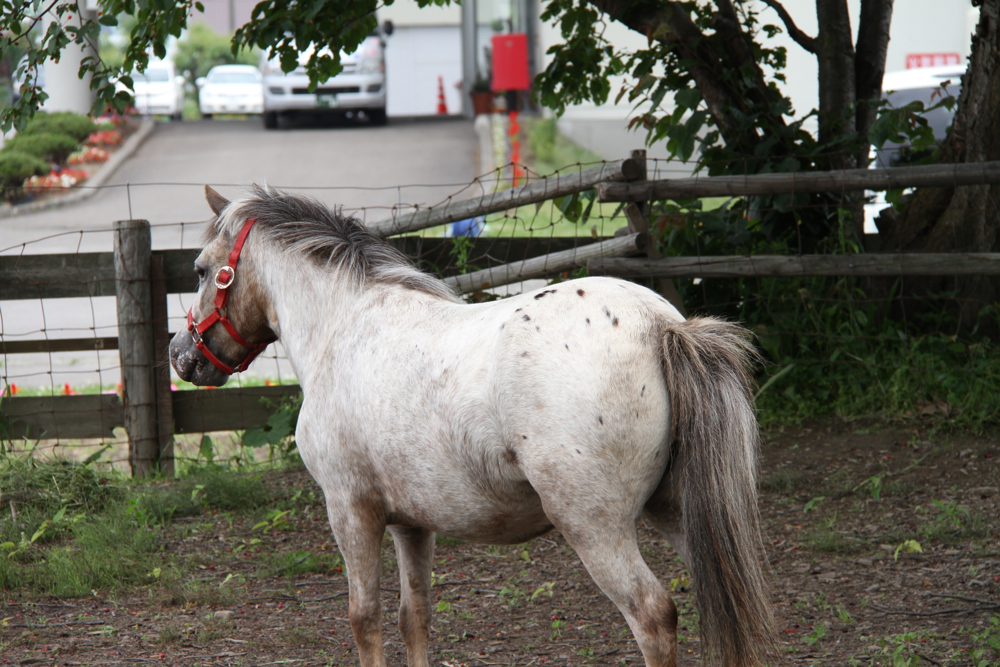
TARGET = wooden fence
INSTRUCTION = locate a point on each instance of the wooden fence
(141, 280)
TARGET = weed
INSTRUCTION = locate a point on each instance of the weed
(818, 632)
(953, 521)
(811, 505)
(544, 589)
(843, 615)
(986, 652)
(557, 629)
(782, 480)
(293, 564)
(512, 595)
(910, 546)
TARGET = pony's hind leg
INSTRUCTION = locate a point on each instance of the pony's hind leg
(415, 554)
(610, 552)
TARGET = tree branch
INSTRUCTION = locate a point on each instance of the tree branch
(805, 41)
(670, 24)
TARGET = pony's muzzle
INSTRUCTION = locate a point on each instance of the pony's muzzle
(193, 366)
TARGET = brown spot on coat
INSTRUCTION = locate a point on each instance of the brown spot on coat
(526, 318)
(600, 419)
(543, 293)
(614, 322)
(580, 292)
(510, 456)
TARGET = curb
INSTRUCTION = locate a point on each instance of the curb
(93, 183)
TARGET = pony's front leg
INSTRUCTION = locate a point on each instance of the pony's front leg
(415, 553)
(360, 541)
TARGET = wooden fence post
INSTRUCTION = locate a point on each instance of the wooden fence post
(161, 357)
(133, 288)
(637, 214)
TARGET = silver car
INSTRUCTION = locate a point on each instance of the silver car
(359, 89)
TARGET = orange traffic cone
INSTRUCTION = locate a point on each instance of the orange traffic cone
(442, 106)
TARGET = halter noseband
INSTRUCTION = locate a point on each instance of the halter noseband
(224, 278)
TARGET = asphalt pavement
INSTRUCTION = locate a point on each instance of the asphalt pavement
(366, 170)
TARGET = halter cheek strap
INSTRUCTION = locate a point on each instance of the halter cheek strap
(224, 278)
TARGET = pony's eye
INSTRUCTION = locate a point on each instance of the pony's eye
(200, 271)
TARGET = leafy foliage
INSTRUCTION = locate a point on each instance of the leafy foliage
(74, 125)
(202, 48)
(15, 167)
(44, 145)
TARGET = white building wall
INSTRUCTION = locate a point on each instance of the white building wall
(426, 44)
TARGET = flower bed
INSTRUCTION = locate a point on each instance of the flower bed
(89, 154)
(59, 178)
(104, 138)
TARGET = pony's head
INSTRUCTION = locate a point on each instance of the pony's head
(233, 319)
(228, 325)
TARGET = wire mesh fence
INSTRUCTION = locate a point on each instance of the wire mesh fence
(696, 240)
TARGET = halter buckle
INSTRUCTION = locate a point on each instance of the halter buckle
(224, 277)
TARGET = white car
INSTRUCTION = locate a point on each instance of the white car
(231, 89)
(159, 90)
(922, 84)
(358, 89)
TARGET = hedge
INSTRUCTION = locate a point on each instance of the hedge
(44, 145)
(61, 122)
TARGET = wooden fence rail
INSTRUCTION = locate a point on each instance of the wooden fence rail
(814, 181)
(874, 264)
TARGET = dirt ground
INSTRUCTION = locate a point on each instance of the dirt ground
(843, 509)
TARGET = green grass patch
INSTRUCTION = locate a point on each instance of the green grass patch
(782, 480)
(67, 529)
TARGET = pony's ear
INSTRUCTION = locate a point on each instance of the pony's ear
(215, 200)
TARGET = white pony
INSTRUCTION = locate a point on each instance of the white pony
(582, 406)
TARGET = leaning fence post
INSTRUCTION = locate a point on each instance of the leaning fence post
(637, 214)
(133, 289)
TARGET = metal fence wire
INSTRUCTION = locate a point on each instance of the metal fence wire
(63, 334)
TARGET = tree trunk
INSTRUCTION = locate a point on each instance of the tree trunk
(966, 218)
(835, 55)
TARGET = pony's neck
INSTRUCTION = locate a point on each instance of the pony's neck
(314, 308)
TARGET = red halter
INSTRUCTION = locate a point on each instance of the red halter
(224, 278)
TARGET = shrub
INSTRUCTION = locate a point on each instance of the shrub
(61, 122)
(45, 145)
(15, 168)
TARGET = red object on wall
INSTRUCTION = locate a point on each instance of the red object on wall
(914, 60)
(510, 62)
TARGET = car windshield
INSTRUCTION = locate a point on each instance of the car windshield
(233, 77)
(151, 76)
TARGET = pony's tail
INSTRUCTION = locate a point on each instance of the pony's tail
(707, 364)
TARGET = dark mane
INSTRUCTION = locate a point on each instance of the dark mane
(305, 226)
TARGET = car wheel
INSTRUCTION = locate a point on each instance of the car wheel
(377, 116)
(206, 116)
(270, 119)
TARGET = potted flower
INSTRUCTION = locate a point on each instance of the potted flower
(482, 96)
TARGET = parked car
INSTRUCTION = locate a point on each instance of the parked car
(922, 84)
(158, 90)
(358, 89)
(230, 89)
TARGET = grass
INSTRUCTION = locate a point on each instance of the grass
(782, 480)
(62, 519)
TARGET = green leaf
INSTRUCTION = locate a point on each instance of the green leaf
(207, 448)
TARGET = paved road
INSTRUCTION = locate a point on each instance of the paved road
(367, 170)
